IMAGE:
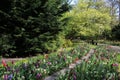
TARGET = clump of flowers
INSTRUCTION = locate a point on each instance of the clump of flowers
(4, 63)
(10, 77)
(38, 76)
(49, 63)
(5, 77)
(115, 64)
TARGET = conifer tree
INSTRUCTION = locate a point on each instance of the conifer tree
(28, 26)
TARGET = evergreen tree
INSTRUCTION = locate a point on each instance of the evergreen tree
(30, 26)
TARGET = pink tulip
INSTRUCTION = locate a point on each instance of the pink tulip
(4, 63)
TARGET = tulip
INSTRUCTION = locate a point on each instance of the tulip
(115, 64)
(12, 62)
(76, 59)
(38, 76)
(49, 63)
(10, 77)
(5, 77)
(4, 63)
(8, 68)
(36, 65)
(74, 76)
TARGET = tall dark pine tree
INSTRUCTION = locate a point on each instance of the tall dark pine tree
(28, 26)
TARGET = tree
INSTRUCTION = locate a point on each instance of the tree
(118, 2)
(30, 25)
(86, 21)
(113, 8)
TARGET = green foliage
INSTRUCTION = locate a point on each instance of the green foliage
(30, 26)
(86, 21)
(116, 32)
(6, 45)
(118, 58)
(68, 43)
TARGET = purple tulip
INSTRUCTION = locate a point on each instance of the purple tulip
(38, 76)
(10, 77)
(49, 63)
(6, 77)
(8, 68)
(74, 76)
(36, 65)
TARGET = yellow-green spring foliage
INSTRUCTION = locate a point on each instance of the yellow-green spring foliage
(87, 21)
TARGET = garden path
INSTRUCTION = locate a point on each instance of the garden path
(115, 48)
(12, 59)
(111, 47)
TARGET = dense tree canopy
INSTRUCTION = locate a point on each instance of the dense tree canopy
(28, 26)
(86, 21)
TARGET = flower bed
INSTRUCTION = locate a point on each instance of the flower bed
(39, 68)
(102, 66)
